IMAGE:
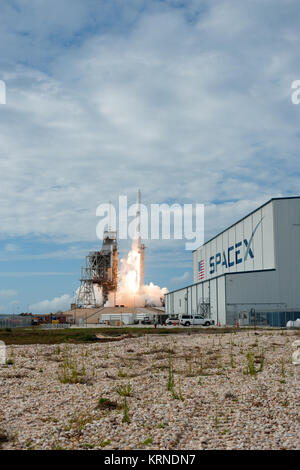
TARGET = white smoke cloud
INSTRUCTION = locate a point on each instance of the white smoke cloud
(129, 291)
(153, 294)
(58, 303)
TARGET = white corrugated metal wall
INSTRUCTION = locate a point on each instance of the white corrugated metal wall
(270, 279)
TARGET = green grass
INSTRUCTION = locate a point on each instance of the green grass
(126, 418)
(105, 443)
(250, 364)
(69, 372)
(35, 335)
(89, 446)
(147, 442)
(121, 373)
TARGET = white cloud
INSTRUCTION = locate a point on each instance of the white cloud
(194, 110)
(70, 252)
(46, 306)
(11, 247)
(6, 293)
(36, 273)
(185, 276)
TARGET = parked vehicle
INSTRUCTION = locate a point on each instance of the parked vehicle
(171, 320)
(188, 320)
(147, 320)
(144, 318)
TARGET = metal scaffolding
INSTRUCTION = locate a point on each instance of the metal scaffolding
(101, 269)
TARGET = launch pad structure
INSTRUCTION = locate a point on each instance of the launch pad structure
(101, 267)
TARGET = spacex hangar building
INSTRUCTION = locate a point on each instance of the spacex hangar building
(248, 273)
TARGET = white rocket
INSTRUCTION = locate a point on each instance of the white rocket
(137, 242)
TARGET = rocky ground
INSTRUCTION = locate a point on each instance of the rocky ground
(200, 391)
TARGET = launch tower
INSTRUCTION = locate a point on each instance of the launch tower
(101, 269)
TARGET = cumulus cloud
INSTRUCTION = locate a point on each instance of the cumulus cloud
(46, 306)
(179, 279)
(188, 100)
(179, 102)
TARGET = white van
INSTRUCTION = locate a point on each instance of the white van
(187, 320)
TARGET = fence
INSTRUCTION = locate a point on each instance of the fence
(14, 321)
(53, 326)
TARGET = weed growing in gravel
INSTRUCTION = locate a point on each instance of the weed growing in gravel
(9, 362)
(29, 445)
(125, 391)
(83, 368)
(78, 422)
(68, 372)
(180, 388)
(88, 446)
(146, 442)
(126, 418)
(250, 365)
(121, 373)
(282, 381)
(171, 383)
(202, 366)
(162, 425)
(225, 431)
(190, 367)
(105, 443)
(282, 368)
(11, 359)
(262, 361)
(231, 359)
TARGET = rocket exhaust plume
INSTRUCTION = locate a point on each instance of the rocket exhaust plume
(107, 286)
(131, 289)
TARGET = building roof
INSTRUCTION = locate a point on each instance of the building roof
(252, 212)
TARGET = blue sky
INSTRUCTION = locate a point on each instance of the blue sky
(188, 100)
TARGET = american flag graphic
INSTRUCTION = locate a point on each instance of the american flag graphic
(201, 270)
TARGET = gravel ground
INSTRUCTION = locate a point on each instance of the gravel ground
(218, 398)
